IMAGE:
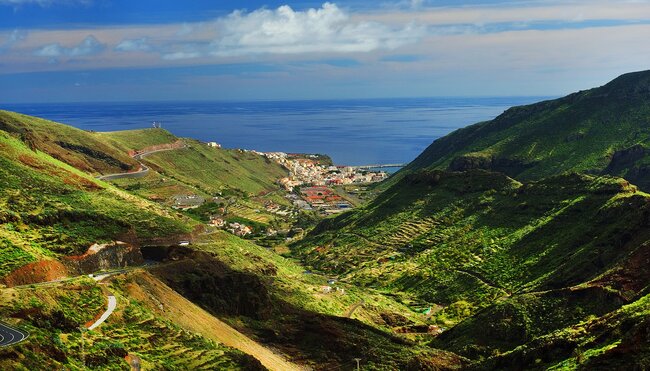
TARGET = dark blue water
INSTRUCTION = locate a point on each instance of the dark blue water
(352, 132)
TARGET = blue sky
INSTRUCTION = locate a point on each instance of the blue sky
(117, 50)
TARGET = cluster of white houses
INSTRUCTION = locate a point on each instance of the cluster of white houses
(308, 171)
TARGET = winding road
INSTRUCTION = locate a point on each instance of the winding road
(10, 336)
(112, 304)
(143, 168)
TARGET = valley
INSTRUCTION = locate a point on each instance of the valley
(517, 243)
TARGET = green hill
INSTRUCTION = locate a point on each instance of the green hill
(605, 130)
(503, 262)
(524, 237)
(50, 210)
(86, 151)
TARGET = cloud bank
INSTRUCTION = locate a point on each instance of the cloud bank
(134, 45)
(88, 46)
(328, 29)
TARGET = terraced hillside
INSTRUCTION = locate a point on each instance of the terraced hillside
(505, 262)
(605, 130)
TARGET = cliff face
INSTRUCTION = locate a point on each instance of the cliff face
(105, 256)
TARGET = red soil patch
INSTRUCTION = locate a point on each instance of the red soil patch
(41, 271)
(81, 182)
(177, 144)
(31, 161)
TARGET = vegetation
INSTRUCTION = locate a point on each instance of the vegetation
(86, 151)
(518, 243)
(137, 139)
(513, 235)
(274, 300)
(48, 208)
(53, 316)
(215, 171)
(599, 131)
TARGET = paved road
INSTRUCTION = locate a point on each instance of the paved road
(143, 168)
(10, 335)
(112, 304)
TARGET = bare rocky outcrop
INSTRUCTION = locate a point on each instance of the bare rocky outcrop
(105, 256)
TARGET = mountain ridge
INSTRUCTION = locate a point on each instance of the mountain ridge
(582, 132)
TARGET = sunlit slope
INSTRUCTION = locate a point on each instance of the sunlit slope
(605, 130)
(213, 170)
(513, 260)
(85, 150)
(49, 208)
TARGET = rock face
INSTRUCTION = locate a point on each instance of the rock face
(628, 163)
(105, 256)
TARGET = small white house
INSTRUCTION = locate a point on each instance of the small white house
(214, 144)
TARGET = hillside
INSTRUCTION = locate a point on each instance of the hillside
(500, 261)
(50, 209)
(233, 293)
(605, 130)
(84, 150)
(524, 238)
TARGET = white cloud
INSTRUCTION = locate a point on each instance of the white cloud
(88, 46)
(134, 45)
(286, 31)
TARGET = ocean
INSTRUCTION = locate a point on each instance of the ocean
(352, 132)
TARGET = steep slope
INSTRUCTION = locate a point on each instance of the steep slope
(509, 261)
(86, 151)
(270, 299)
(50, 209)
(605, 130)
(53, 315)
(214, 170)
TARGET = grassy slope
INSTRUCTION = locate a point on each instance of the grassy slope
(137, 139)
(215, 170)
(84, 150)
(489, 248)
(52, 209)
(273, 300)
(53, 315)
(291, 284)
(49, 208)
(580, 132)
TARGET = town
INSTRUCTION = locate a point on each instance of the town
(313, 184)
(312, 178)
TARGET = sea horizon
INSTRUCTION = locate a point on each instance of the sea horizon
(350, 131)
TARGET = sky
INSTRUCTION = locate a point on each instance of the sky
(140, 50)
